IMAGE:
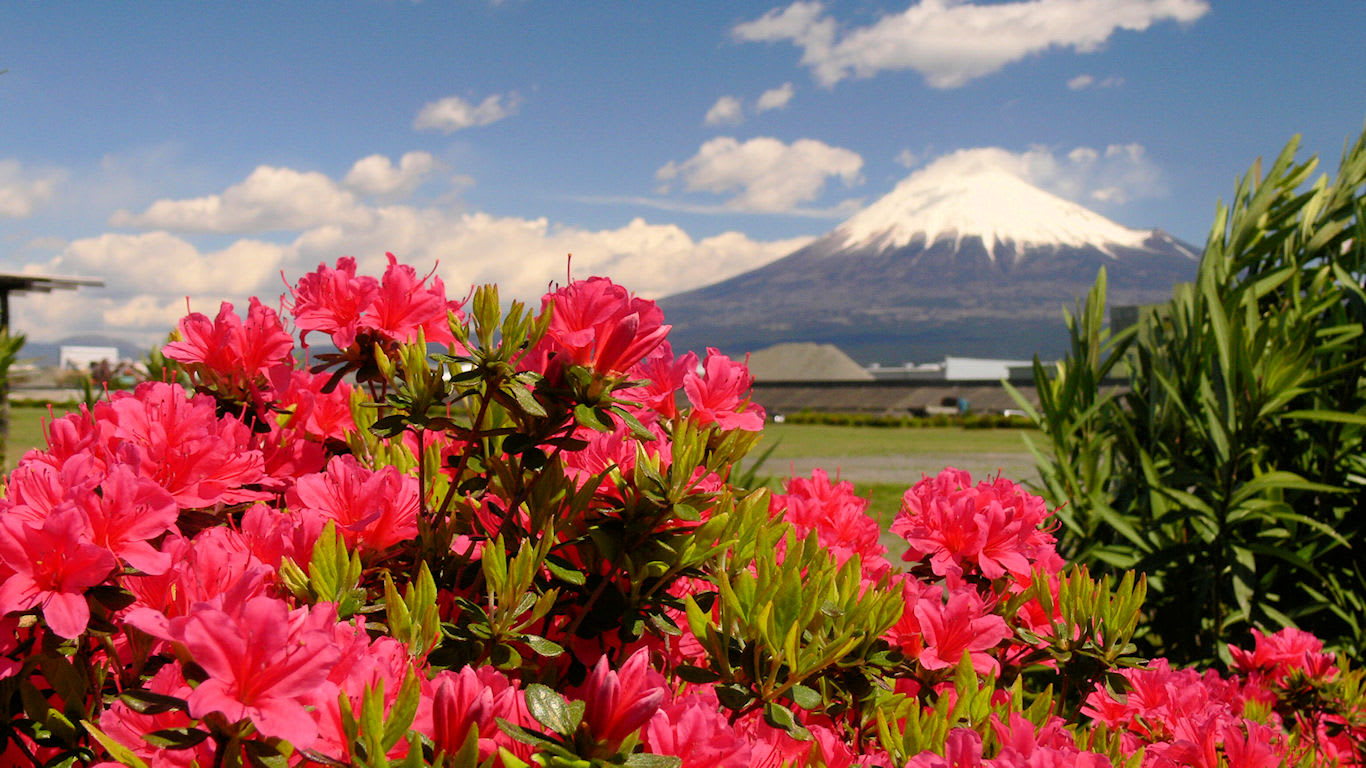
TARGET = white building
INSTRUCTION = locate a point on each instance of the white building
(81, 358)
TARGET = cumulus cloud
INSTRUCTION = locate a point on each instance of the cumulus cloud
(1083, 82)
(774, 98)
(1115, 175)
(765, 174)
(149, 276)
(23, 191)
(270, 199)
(453, 113)
(951, 42)
(726, 111)
(376, 175)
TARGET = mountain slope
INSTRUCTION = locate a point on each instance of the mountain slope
(963, 258)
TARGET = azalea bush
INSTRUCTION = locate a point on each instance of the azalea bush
(478, 535)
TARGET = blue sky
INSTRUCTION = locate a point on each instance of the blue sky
(197, 150)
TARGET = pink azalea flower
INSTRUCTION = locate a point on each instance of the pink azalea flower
(463, 701)
(264, 663)
(233, 356)
(319, 415)
(127, 512)
(332, 301)
(1277, 654)
(664, 375)
(619, 702)
(403, 304)
(992, 528)
(184, 446)
(839, 518)
(131, 728)
(364, 664)
(600, 325)
(372, 509)
(53, 565)
(963, 623)
(720, 394)
(217, 562)
(692, 728)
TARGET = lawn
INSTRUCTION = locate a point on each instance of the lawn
(883, 462)
(25, 431)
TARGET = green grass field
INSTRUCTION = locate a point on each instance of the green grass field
(25, 431)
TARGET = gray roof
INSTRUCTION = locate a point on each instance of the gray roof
(805, 361)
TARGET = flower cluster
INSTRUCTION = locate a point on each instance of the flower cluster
(528, 545)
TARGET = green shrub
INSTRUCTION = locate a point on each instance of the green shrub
(1232, 469)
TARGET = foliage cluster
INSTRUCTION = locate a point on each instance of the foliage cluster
(520, 550)
(1231, 469)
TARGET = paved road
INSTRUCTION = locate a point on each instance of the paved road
(906, 469)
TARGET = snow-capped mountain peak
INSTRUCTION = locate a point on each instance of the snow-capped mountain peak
(976, 193)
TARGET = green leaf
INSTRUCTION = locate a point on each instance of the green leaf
(176, 738)
(778, 716)
(542, 646)
(551, 710)
(804, 697)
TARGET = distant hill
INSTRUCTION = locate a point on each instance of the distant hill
(961, 258)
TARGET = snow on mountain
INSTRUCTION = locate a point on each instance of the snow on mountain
(964, 257)
(969, 193)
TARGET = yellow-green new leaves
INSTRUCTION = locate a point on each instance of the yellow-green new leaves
(788, 618)
(494, 629)
(413, 619)
(1089, 615)
(333, 574)
(372, 734)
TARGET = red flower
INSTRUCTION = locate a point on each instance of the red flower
(53, 564)
(232, 357)
(264, 661)
(961, 624)
(332, 301)
(992, 528)
(403, 304)
(720, 394)
(372, 509)
(184, 446)
(620, 702)
(600, 325)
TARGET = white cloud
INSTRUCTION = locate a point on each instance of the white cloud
(23, 191)
(453, 113)
(907, 159)
(726, 111)
(149, 275)
(269, 199)
(1083, 82)
(951, 42)
(774, 98)
(1115, 175)
(376, 175)
(768, 175)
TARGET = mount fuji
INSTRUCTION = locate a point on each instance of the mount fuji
(963, 257)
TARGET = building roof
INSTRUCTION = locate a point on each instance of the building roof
(12, 281)
(805, 361)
